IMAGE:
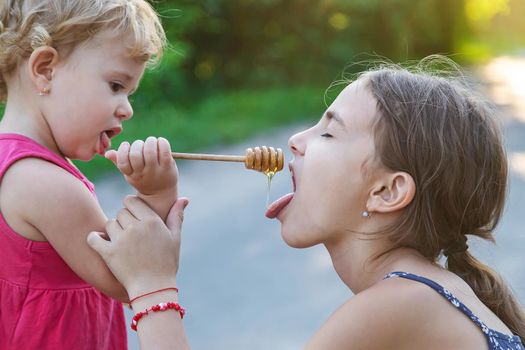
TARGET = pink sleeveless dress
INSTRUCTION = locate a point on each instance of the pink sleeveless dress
(43, 303)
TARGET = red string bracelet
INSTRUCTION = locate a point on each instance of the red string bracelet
(159, 307)
(155, 291)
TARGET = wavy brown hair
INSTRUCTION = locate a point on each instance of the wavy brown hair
(446, 137)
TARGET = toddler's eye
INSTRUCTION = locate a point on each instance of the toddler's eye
(116, 87)
(326, 135)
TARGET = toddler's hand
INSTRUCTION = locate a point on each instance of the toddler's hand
(148, 166)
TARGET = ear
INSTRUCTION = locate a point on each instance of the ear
(42, 64)
(394, 192)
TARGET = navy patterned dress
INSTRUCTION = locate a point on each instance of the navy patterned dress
(496, 340)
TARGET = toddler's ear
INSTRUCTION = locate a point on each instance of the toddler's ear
(42, 64)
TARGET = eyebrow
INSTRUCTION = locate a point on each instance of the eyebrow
(124, 74)
(330, 115)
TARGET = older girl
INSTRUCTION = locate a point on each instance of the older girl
(400, 169)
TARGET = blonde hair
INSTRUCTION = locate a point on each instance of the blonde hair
(26, 25)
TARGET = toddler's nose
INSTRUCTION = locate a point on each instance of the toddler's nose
(124, 111)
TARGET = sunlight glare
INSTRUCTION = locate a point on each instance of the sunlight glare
(506, 76)
(517, 163)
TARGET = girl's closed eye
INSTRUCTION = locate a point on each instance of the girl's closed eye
(326, 135)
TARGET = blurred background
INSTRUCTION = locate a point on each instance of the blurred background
(239, 67)
(242, 73)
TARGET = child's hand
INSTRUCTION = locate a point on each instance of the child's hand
(142, 251)
(147, 166)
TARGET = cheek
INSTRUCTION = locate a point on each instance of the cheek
(317, 213)
(334, 196)
(331, 194)
(80, 89)
(332, 184)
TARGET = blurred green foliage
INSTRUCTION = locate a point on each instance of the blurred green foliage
(238, 67)
(259, 43)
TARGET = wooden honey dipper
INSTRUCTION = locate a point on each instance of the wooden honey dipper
(263, 159)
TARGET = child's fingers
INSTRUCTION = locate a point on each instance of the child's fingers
(113, 229)
(125, 218)
(111, 155)
(165, 157)
(150, 152)
(99, 244)
(176, 215)
(136, 157)
(123, 163)
(138, 208)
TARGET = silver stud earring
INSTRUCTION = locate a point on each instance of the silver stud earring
(366, 214)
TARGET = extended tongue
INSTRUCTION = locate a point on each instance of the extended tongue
(276, 207)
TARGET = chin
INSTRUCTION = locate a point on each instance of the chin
(294, 239)
(83, 157)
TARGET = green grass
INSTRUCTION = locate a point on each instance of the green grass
(219, 120)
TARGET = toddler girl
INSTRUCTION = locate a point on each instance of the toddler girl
(67, 70)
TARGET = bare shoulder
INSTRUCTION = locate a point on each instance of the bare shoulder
(383, 316)
(39, 195)
(36, 189)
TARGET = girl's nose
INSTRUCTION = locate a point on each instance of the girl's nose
(297, 143)
(124, 110)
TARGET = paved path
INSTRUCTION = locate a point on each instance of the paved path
(244, 289)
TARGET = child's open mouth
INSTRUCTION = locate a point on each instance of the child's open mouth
(105, 139)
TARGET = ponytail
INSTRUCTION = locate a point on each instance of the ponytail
(490, 289)
(446, 136)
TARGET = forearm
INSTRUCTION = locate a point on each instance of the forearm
(162, 329)
(114, 289)
(161, 203)
(143, 253)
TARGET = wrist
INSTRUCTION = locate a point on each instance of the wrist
(145, 287)
(152, 299)
(165, 193)
(161, 202)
